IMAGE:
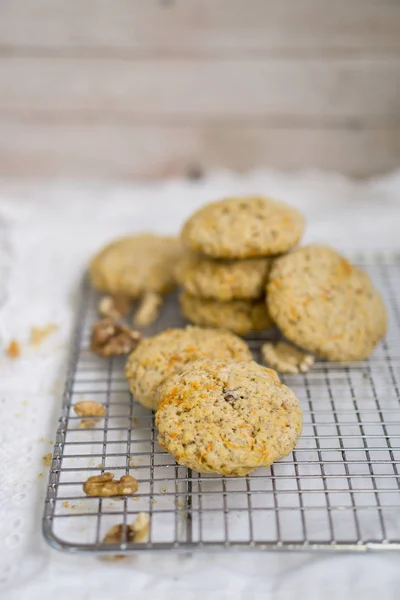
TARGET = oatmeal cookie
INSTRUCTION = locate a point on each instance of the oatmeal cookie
(239, 316)
(167, 353)
(227, 417)
(243, 228)
(223, 279)
(135, 265)
(326, 305)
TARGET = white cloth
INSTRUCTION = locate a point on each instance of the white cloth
(48, 231)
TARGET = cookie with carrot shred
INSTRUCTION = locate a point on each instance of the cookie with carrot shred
(158, 357)
(326, 305)
(243, 227)
(227, 417)
(239, 316)
(223, 280)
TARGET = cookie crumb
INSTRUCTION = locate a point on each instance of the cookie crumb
(114, 307)
(131, 461)
(13, 349)
(286, 358)
(88, 423)
(67, 504)
(47, 459)
(148, 309)
(38, 334)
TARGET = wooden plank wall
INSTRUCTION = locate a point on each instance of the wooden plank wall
(149, 88)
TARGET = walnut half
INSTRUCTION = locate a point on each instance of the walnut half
(104, 485)
(111, 338)
(135, 533)
(286, 358)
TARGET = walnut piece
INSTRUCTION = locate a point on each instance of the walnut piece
(104, 485)
(111, 338)
(286, 358)
(148, 309)
(230, 395)
(114, 307)
(89, 408)
(135, 533)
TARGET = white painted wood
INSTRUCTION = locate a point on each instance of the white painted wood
(219, 89)
(126, 151)
(200, 27)
(141, 88)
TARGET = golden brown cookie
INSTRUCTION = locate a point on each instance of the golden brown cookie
(167, 353)
(135, 265)
(324, 304)
(223, 279)
(227, 417)
(239, 316)
(245, 227)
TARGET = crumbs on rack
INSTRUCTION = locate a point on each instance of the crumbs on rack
(114, 307)
(89, 408)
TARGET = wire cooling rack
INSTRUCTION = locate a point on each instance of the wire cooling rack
(339, 489)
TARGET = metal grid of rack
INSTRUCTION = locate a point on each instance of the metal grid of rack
(339, 489)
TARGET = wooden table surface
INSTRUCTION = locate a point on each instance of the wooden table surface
(146, 88)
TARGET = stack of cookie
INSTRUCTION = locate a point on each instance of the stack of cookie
(230, 246)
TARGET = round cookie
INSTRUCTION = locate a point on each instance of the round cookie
(245, 227)
(227, 417)
(159, 357)
(324, 304)
(223, 279)
(137, 264)
(239, 316)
